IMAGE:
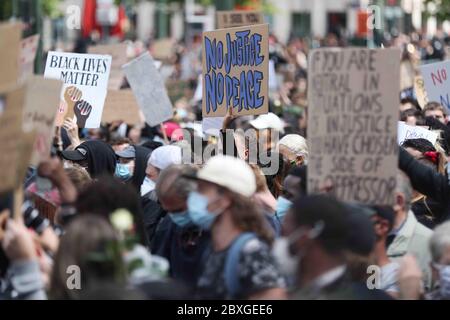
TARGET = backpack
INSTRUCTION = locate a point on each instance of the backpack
(232, 263)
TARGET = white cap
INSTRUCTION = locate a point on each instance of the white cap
(268, 121)
(165, 156)
(296, 144)
(231, 173)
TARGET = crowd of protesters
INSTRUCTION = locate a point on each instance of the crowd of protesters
(132, 212)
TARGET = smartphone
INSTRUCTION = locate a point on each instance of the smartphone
(43, 185)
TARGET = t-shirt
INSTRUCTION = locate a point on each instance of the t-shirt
(257, 271)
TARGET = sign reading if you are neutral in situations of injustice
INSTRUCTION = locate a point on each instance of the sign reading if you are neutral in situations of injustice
(352, 124)
(235, 71)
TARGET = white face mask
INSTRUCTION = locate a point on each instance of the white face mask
(288, 262)
(444, 280)
(147, 186)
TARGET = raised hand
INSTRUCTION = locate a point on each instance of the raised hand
(82, 111)
(71, 96)
(72, 131)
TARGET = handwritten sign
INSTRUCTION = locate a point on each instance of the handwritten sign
(41, 95)
(118, 52)
(230, 19)
(235, 71)
(352, 125)
(421, 94)
(436, 77)
(121, 105)
(149, 90)
(16, 145)
(28, 48)
(10, 35)
(406, 132)
(85, 78)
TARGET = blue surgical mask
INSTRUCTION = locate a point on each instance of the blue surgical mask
(147, 186)
(198, 210)
(123, 172)
(181, 219)
(283, 206)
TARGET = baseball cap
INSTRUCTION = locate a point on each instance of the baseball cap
(165, 156)
(268, 121)
(229, 172)
(128, 153)
(77, 154)
(295, 143)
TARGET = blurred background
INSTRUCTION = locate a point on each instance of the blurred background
(71, 25)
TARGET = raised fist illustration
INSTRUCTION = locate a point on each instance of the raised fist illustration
(82, 111)
(71, 96)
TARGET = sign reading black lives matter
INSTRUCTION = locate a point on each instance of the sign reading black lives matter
(85, 78)
(352, 124)
(236, 71)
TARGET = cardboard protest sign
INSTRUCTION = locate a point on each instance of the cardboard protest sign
(16, 146)
(230, 19)
(235, 71)
(352, 124)
(149, 90)
(421, 94)
(28, 48)
(406, 132)
(41, 96)
(436, 77)
(162, 49)
(121, 105)
(118, 52)
(85, 78)
(10, 35)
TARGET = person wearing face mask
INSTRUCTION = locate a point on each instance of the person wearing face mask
(177, 239)
(440, 264)
(131, 166)
(160, 159)
(312, 249)
(239, 264)
(293, 185)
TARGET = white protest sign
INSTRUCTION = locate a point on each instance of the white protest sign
(352, 123)
(149, 89)
(85, 78)
(212, 125)
(436, 77)
(406, 132)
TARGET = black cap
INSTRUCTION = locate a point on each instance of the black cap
(78, 154)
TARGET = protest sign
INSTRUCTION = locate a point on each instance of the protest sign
(230, 19)
(406, 132)
(352, 124)
(121, 105)
(235, 71)
(10, 35)
(162, 49)
(421, 94)
(41, 96)
(118, 52)
(212, 125)
(16, 146)
(436, 77)
(85, 78)
(28, 48)
(149, 90)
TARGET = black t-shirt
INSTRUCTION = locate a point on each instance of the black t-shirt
(257, 271)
